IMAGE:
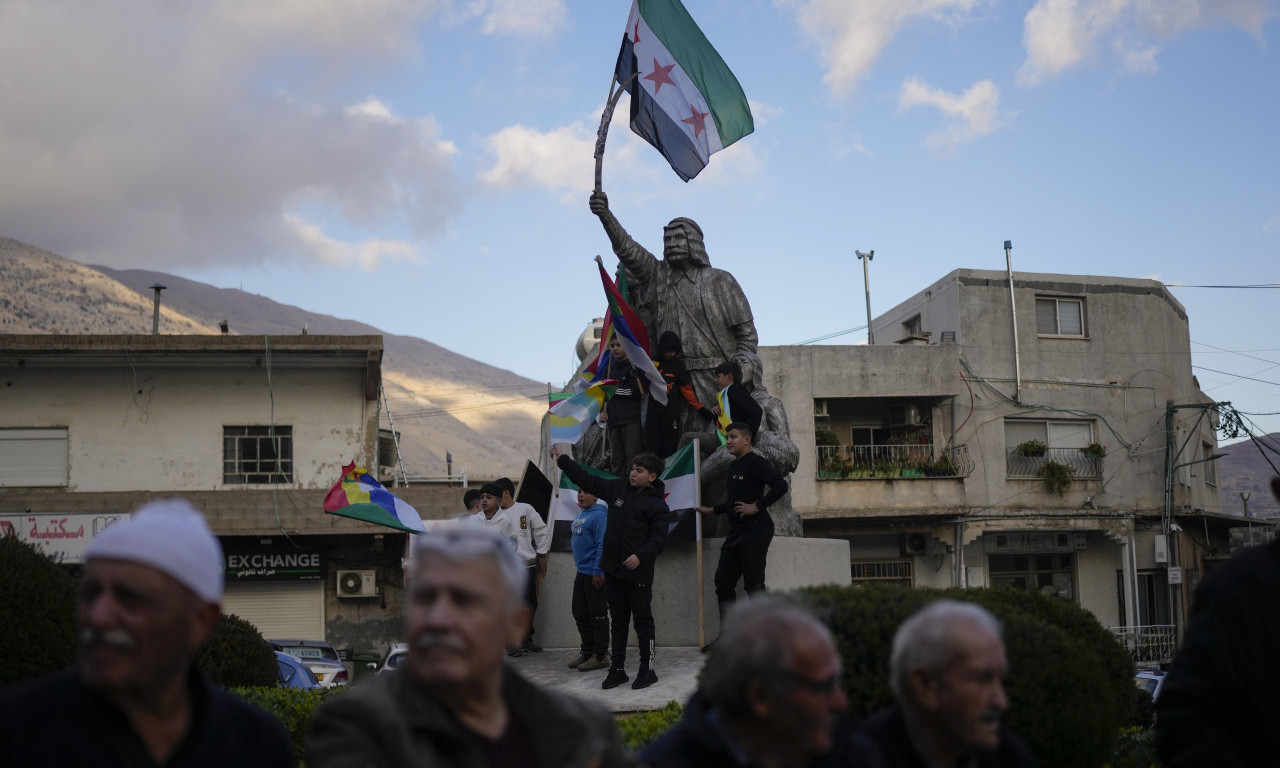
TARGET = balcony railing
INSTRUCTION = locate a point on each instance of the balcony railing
(1085, 466)
(1154, 644)
(881, 462)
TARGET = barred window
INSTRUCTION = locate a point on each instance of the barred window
(257, 455)
(892, 571)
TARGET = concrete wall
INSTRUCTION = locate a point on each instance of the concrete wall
(160, 429)
(793, 563)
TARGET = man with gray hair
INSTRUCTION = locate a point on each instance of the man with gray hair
(771, 695)
(456, 703)
(946, 670)
(149, 598)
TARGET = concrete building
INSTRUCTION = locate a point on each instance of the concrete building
(254, 430)
(963, 448)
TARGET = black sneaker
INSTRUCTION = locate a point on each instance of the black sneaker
(645, 678)
(615, 678)
(531, 647)
(517, 652)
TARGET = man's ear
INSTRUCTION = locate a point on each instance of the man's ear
(922, 688)
(759, 703)
(206, 618)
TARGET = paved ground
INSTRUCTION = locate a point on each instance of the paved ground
(677, 670)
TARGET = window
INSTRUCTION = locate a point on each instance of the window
(1051, 575)
(1059, 317)
(257, 455)
(1210, 467)
(1060, 433)
(32, 458)
(892, 572)
(911, 327)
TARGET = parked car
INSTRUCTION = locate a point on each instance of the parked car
(294, 674)
(319, 657)
(1149, 680)
(395, 657)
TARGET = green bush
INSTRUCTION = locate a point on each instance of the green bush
(1135, 748)
(37, 612)
(236, 655)
(1064, 683)
(291, 706)
(640, 729)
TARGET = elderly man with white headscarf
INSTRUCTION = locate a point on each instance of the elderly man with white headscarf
(149, 598)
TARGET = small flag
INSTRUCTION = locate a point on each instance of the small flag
(360, 496)
(684, 101)
(681, 482)
(564, 508)
(631, 333)
(570, 418)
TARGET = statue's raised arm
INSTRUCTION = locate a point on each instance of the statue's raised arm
(683, 293)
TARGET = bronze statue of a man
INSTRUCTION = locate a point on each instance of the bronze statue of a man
(683, 293)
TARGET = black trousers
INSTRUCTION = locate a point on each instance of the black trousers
(627, 600)
(591, 612)
(531, 599)
(662, 427)
(741, 557)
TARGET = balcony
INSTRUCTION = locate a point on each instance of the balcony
(1084, 466)
(883, 462)
(1148, 645)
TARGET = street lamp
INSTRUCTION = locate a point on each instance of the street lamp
(865, 258)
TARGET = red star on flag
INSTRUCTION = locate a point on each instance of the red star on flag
(698, 120)
(636, 40)
(661, 75)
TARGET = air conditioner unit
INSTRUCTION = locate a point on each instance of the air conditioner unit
(907, 415)
(914, 544)
(357, 584)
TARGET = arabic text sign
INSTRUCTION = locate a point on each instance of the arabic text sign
(65, 537)
(270, 559)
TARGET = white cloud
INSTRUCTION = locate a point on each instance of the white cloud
(146, 134)
(1061, 34)
(851, 35)
(366, 255)
(524, 18)
(762, 113)
(561, 159)
(972, 114)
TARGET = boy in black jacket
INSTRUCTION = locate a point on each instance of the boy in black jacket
(664, 423)
(742, 556)
(621, 414)
(635, 532)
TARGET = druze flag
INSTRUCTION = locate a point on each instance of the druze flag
(684, 101)
(359, 495)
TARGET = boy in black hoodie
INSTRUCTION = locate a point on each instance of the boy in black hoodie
(621, 414)
(663, 422)
(635, 532)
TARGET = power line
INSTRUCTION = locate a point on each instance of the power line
(831, 335)
(1238, 376)
(1262, 285)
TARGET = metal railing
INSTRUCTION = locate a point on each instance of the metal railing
(1084, 466)
(880, 462)
(1153, 644)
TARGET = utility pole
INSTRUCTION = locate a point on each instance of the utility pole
(865, 258)
(1013, 310)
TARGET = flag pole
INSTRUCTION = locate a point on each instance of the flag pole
(606, 117)
(697, 538)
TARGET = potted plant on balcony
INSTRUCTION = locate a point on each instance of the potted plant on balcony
(943, 467)
(1057, 477)
(1094, 451)
(1033, 448)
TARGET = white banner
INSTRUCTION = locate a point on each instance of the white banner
(65, 537)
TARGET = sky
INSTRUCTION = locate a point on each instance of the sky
(424, 165)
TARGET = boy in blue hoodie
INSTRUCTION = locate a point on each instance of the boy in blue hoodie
(590, 607)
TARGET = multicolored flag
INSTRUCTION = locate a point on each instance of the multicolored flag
(684, 100)
(631, 333)
(360, 496)
(571, 415)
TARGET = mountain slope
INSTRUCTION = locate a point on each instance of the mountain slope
(441, 402)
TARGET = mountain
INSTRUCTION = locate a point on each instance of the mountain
(441, 402)
(1248, 468)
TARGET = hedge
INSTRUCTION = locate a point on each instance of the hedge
(37, 612)
(1070, 683)
(237, 656)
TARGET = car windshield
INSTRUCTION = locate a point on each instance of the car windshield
(311, 652)
(395, 659)
(1146, 684)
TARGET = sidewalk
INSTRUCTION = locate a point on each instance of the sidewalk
(677, 670)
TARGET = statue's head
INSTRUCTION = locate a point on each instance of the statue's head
(682, 245)
(752, 370)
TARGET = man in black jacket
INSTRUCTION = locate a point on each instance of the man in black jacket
(635, 532)
(743, 554)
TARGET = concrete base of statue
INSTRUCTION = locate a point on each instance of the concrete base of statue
(793, 562)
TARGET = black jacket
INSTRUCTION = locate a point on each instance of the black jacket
(1220, 705)
(882, 742)
(748, 477)
(637, 522)
(56, 720)
(624, 407)
(743, 407)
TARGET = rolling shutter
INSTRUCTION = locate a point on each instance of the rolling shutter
(279, 609)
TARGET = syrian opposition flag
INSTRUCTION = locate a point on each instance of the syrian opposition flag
(684, 101)
(631, 333)
(360, 496)
(564, 508)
